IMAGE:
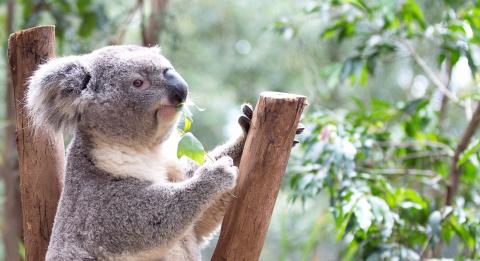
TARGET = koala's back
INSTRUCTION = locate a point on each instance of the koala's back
(93, 214)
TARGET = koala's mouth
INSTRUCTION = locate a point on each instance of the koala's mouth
(167, 111)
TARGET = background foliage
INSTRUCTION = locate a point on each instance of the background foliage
(393, 90)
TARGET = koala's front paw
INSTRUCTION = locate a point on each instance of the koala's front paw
(222, 174)
(245, 120)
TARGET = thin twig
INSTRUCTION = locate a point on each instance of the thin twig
(426, 154)
(416, 143)
(431, 75)
(393, 172)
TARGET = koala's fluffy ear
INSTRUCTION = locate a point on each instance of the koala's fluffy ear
(55, 96)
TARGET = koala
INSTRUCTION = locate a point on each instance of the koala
(126, 196)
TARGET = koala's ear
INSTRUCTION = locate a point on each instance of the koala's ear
(55, 96)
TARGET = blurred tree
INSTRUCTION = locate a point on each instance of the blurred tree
(154, 24)
(391, 192)
(12, 233)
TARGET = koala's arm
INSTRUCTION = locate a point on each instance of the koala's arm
(234, 148)
(168, 209)
(213, 216)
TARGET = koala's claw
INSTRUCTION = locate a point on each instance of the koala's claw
(244, 123)
(245, 120)
(247, 109)
(300, 129)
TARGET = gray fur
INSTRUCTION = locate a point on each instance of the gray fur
(104, 216)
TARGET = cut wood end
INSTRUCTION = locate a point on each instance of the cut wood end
(284, 96)
(30, 30)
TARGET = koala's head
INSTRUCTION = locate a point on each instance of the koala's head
(128, 94)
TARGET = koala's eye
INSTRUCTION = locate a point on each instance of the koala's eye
(138, 83)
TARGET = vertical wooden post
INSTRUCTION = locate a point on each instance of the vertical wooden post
(263, 164)
(41, 155)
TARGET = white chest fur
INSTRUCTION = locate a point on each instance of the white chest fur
(149, 164)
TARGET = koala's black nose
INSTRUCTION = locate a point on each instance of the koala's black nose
(176, 85)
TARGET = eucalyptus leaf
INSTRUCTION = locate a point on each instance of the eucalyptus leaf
(467, 153)
(191, 147)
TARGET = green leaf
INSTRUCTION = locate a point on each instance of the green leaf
(363, 213)
(185, 122)
(466, 154)
(191, 147)
(21, 249)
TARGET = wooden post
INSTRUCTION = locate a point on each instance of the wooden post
(262, 166)
(41, 155)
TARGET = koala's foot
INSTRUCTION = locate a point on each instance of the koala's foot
(222, 174)
(245, 120)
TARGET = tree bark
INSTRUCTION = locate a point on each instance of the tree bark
(41, 155)
(454, 177)
(262, 166)
(12, 232)
(155, 24)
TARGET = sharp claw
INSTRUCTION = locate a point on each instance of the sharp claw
(244, 122)
(247, 109)
(300, 129)
(295, 142)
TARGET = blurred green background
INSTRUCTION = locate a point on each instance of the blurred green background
(393, 93)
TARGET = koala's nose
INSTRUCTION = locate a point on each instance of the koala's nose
(176, 86)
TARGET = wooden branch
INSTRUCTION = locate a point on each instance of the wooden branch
(454, 177)
(262, 166)
(41, 156)
(401, 172)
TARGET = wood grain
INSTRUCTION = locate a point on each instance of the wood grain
(41, 155)
(262, 167)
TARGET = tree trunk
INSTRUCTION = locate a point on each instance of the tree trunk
(155, 24)
(262, 166)
(41, 155)
(454, 176)
(12, 232)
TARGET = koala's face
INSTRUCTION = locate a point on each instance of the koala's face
(127, 94)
